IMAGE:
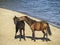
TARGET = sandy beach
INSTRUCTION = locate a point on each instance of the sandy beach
(7, 31)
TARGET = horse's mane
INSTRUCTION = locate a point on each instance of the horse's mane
(30, 21)
(33, 21)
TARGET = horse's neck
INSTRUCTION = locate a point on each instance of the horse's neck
(30, 21)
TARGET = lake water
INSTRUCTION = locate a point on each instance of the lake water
(48, 10)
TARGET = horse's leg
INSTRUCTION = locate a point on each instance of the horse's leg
(43, 35)
(16, 31)
(46, 34)
(20, 34)
(46, 37)
(33, 35)
(24, 33)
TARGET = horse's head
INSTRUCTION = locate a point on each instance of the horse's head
(24, 18)
(15, 19)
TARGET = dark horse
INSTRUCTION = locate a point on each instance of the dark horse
(37, 26)
(20, 25)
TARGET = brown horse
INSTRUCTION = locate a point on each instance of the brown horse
(37, 26)
(20, 25)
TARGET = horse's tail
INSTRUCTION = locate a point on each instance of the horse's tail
(48, 29)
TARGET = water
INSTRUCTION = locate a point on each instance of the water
(48, 10)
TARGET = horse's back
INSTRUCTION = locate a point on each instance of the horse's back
(38, 26)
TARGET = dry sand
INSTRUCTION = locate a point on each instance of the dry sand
(7, 31)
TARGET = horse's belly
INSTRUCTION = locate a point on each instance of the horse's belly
(37, 27)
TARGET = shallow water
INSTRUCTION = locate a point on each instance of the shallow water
(48, 10)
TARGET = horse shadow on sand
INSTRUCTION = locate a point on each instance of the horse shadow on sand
(37, 38)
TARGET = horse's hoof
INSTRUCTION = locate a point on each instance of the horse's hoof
(21, 36)
(43, 40)
(46, 40)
